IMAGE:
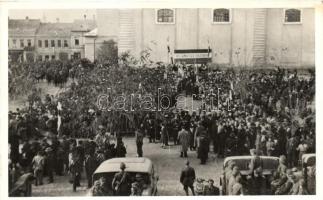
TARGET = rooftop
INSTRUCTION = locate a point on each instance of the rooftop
(132, 165)
(55, 29)
(23, 27)
(84, 25)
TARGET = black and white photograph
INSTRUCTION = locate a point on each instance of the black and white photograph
(204, 101)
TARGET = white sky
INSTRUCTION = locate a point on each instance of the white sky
(64, 15)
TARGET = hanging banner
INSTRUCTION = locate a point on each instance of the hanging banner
(193, 56)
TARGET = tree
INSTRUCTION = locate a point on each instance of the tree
(108, 52)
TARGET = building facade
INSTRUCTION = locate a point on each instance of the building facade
(239, 37)
(33, 40)
(21, 39)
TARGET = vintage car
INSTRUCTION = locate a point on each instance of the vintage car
(22, 187)
(143, 166)
(308, 171)
(269, 164)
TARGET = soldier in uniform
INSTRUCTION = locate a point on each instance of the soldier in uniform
(121, 182)
(187, 178)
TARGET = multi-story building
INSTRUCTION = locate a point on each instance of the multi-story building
(278, 36)
(80, 29)
(21, 39)
(30, 39)
(53, 41)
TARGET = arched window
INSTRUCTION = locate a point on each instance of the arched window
(166, 16)
(221, 15)
(293, 15)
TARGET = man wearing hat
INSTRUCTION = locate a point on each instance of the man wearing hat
(121, 182)
(210, 189)
(49, 164)
(187, 178)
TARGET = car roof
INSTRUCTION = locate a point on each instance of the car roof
(243, 159)
(142, 165)
(309, 158)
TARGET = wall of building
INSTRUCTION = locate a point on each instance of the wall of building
(52, 51)
(18, 38)
(290, 44)
(231, 43)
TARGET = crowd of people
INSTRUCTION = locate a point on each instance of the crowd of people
(268, 110)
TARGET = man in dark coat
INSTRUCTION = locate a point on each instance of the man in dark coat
(90, 166)
(210, 189)
(139, 142)
(76, 165)
(121, 182)
(187, 178)
(203, 148)
(50, 164)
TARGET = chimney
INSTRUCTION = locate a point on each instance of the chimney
(57, 20)
(27, 17)
(84, 17)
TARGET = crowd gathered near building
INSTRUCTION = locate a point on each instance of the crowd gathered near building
(268, 112)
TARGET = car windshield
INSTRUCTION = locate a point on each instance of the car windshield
(109, 177)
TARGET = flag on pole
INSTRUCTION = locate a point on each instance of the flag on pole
(168, 48)
(208, 49)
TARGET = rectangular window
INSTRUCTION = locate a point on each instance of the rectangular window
(221, 15)
(22, 44)
(59, 44)
(40, 43)
(165, 16)
(77, 42)
(14, 42)
(53, 57)
(46, 43)
(47, 57)
(52, 43)
(293, 16)
(65, 43)
(29, 43)
(40, 58)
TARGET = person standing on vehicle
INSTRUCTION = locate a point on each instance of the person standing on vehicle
(210, 189)
(121, 182)
(255, 162)
(184, 140)
(139, 142)
(187, 178)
